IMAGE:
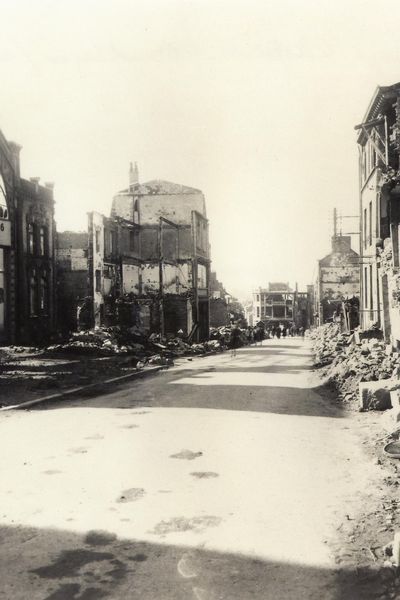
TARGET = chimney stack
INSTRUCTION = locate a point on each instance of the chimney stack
(133, 174)
(15, 149)
(35, 181)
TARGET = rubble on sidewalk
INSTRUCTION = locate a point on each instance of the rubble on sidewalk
(348, 362)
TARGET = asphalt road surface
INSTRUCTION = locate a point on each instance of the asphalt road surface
(223, 478)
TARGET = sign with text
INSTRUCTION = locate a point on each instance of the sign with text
(5, 233)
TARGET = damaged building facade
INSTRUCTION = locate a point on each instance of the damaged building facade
(379, 176)
(279, 303)
(148, 264)
(219, 303)
(338, 284)
(27, 258)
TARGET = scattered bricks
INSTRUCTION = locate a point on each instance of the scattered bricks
(375, 395)
(345, 363)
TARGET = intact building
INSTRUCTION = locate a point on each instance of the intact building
(27, 236)
(379, 150)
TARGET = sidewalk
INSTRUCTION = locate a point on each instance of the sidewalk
(32, 374)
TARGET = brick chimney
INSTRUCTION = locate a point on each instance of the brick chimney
(15, 149)
(341, 243)
(35, 181)
(133, 174)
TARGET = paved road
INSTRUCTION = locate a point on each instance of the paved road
(224, 478)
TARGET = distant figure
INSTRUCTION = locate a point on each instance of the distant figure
(284, 332)
(278, 333)
(235, 340)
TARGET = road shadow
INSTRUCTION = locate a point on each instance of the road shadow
(49, 564)
(166, 390)
(247, 382)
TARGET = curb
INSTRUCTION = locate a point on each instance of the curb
(71, 391)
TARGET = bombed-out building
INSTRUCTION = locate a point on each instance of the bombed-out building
(337, 288)
(148, 264)
(281, 304)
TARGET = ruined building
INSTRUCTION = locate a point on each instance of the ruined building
(279, 303)
(337, 287)
(27, 230)
(379, 151)
(148, 264)
(219, 302)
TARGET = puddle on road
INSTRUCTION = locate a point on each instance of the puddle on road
(138, 557)
(131, 495)
(69, 563)
(182, 524)
(186, 455)
(99, 538)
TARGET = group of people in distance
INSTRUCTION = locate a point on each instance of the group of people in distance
(254, 335)
(285, 331)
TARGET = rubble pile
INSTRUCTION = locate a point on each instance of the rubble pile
(346, 362)
(102, 341)
(109, 341)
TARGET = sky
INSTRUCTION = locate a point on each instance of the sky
(253, 102)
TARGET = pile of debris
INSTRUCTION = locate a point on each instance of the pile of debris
(101, 341)
(346, 360)
(153, 349)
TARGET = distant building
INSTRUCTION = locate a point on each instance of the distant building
(274, 304)
(338, 282)
(72, 277)
(219, 302)
(27, 234)
(280, 304)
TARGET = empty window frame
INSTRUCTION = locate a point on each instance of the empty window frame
(97, 240)
(33, 294)
(31, 238)
(42, 240)
(371, 296)
(44, 294)
(97, 280)
(365, 227)
(370, 223)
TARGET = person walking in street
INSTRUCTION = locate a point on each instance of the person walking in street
(235, 341)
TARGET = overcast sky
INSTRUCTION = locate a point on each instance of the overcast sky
(253, 102)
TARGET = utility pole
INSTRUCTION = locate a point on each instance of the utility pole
(161, 276)
(334, 223)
